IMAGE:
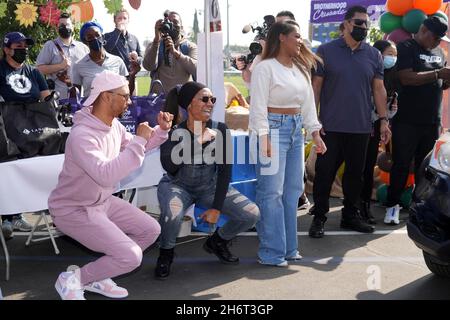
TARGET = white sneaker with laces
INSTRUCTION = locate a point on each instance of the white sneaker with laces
(281, 264)
(20, 224)
(392, 215)
(69, 286)
(107, 288)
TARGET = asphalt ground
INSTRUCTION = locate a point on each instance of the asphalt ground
(343, 265)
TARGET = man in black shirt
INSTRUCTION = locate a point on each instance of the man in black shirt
(416, 127)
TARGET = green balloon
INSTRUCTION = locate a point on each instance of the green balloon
(441, 14)
(406, 198)
(390, 22)
(382, 193)
(413, 20)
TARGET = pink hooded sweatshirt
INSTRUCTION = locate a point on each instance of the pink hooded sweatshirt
(97, 158)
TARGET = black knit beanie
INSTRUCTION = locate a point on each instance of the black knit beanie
(187, 92)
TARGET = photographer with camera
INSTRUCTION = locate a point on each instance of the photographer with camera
(171, 58)
(58, 56)
(246, 64)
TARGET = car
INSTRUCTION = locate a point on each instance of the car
(429, 223)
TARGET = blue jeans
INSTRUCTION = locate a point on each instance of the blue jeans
(196, 184)
(277, 194)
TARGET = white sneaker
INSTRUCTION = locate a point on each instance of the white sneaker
(69, 286)
(20, 224)
(297, 257)
(392, 215)
(306, 204)
(281, 264)
(107, 288)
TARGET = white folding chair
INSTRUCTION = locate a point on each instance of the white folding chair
(5, 250)
(52, 232)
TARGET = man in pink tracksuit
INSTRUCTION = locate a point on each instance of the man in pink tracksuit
(100, 153)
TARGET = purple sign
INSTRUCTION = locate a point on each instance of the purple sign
(323, 11)
(334, 10)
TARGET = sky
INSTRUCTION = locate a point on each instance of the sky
(242, 12)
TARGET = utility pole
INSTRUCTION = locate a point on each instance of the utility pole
(228, 53)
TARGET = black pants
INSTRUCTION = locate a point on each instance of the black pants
(371, 161)
(409, 142)
(348, 147)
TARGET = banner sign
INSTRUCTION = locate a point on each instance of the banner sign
(323, 11)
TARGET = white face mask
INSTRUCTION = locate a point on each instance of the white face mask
(389, 61)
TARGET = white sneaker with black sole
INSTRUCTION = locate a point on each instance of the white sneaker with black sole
(392, 215)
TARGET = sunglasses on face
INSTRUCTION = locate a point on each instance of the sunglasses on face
(360, 22)
(205, 99)
(125, 96)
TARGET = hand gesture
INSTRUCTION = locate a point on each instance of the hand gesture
(170, 46)
(158, 26)
(133, 56)
(266, 146)
(385, 132)
(145, 131)
(321, 148)
(66, 63)
(165, 120)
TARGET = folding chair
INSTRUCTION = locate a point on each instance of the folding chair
(52, 232)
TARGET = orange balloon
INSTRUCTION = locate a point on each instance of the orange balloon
(399, 7)
(411, 181)
(428, 6)
(385, 177)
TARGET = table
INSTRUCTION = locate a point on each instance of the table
(26, 184)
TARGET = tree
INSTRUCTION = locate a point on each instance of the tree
(195, 28)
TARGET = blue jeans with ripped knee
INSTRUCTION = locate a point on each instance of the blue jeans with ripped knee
(196, 184)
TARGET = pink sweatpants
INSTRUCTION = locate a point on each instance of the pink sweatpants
(117, 229)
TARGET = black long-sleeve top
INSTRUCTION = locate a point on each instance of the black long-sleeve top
(223, 166)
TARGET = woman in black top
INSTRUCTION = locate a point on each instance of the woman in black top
(195, 158)
(389, 52)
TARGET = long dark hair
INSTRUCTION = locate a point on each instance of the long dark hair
(305, 61)
(171, 106)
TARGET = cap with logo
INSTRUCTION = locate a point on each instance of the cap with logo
(15, 37)
(104, 81)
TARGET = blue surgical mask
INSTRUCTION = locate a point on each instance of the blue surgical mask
(389, 62)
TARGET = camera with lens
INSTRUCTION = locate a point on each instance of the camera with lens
(167, 27)
(255, 47)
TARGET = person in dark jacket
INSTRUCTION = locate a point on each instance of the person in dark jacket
(195, 158)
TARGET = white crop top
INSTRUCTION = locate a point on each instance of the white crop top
(277, 86)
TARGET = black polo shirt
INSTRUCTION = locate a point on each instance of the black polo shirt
(420, 105)
(346, 97)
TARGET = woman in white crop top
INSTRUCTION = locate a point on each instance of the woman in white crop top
(282, 103)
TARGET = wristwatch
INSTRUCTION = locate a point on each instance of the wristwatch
(383, 118)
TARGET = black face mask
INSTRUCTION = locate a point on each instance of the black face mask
(20, 55)
(359, 34)
(96, 45)
(64, 32)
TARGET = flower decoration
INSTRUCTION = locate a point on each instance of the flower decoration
(26, 13)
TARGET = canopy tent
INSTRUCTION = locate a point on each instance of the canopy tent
(325, 11)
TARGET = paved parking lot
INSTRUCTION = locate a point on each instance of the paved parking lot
(343, 265)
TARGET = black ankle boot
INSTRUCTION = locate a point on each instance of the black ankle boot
(163, 264)
(366, 214)
(218, 246)
(316, 230)
(351, 219)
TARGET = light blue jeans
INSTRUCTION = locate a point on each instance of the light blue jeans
(277, 192)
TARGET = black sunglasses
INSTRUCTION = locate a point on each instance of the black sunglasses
(205, 99)
(360, 22)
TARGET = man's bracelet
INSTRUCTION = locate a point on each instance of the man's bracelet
(383, 118)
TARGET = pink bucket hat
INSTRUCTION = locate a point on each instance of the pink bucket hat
(104, 81)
